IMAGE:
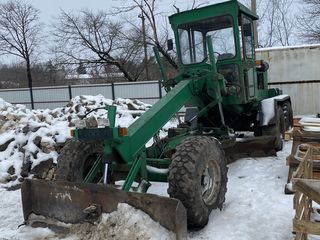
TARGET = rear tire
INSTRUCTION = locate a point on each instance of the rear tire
(198, 178)
(76, 160)
(288, 115)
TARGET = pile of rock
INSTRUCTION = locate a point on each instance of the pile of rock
(31, 140)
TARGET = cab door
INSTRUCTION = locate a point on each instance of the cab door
(248, 56)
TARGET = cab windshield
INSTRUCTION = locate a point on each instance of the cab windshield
(192, 39)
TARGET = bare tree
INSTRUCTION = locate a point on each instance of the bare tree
(91, 38)
(156, 34)
(276, 23)
(310, 20)
(285, 22)
(13, 75)
(19, 32)
(197, 4)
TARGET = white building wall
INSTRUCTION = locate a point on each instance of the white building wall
(296, 70)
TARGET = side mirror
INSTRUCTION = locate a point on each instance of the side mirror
(170, 44)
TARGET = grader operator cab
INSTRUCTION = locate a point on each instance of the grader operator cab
(220, 39)
(225, 90)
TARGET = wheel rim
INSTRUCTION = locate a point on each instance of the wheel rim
(210, 182)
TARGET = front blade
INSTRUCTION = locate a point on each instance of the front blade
(261, 146)
(67, 201)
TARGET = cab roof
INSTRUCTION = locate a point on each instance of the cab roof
(232, 7)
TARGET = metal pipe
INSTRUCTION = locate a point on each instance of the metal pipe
(144, 44)
(221, 113)
(105, 174)
(255, 25)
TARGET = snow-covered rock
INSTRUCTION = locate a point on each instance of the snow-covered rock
(30, 140)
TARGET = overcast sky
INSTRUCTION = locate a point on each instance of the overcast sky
(50, 9)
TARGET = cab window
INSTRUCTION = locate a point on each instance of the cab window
(248, 41)
(192, 39)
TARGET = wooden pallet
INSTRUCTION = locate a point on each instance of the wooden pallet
(307, 190)
(288, 135)
(301, 137)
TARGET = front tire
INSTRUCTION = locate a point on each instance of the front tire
(198, 178)
(76, 160)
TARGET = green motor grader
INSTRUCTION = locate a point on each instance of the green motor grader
(224, 89)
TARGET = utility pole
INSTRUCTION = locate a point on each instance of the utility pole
(145, 45)
(255, 26)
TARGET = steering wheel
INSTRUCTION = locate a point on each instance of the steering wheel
(217, 55)
(233, 88)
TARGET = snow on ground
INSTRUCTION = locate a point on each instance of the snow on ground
(11, 218)
(127, 223)
(124, 224)
(255, 208)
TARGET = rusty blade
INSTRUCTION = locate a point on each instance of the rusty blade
(251, 147)
(66, 202)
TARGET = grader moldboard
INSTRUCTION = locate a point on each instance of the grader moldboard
(224, 90)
